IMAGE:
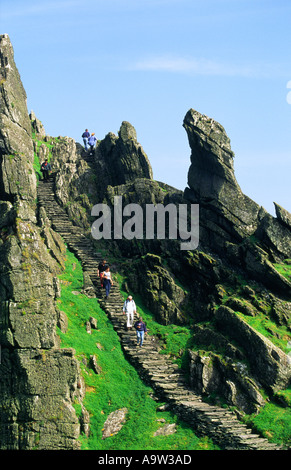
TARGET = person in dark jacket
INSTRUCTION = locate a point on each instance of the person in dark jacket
(141, 330)
(85, 137)
(45, 169)
(101, 269)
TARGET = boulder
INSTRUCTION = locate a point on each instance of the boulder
(114, 423)
(166, 430)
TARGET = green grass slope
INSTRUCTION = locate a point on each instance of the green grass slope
(118, 385)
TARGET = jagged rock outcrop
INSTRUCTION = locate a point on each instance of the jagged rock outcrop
(212, 182)
(282, 215)
(246, 237)
(212, 374)
(37, 126)
(82, 180)
(269, 364)
(163, 296)
(38, 380)
(229, 229)
(15, 132)
(230, 222)
(121, 159)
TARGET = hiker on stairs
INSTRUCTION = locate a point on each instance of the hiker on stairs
(101, 269)
(92, 142)
(107, 281)
(45, 169)
(85, 137)
(141, 330)
(129, 309)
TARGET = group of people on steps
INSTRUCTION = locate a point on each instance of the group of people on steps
(89, 144)
(89, 139)
(129, 306)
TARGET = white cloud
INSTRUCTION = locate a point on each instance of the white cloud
(201, 66)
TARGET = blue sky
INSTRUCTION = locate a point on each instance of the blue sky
(97, 63)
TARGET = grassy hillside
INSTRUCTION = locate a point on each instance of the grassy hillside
(118, 385)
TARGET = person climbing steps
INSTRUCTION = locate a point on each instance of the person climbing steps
(141, 331)
(85, 137)
(45, 169)
(92, 142)
(129, 309)
(107, 281)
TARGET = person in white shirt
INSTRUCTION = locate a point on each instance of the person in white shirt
(107, 281)
(129, 309)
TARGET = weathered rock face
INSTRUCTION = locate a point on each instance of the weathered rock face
(283, 216)
(211, 178)
(269, 364)
(209, 374)
(15, 131)
(37, 126)
(163, 295)
(229, 220)
(38, 380)
(122, 159)
(211, 174)
(249, 239)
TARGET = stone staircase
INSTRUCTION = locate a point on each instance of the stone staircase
(156, 369)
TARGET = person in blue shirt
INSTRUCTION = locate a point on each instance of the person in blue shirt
(141, 330)
(86, 136)
(92, 142)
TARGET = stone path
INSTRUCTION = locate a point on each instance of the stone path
(157, 370)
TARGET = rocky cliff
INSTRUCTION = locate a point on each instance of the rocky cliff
(38, 380)
(229, 220)
(232, 281)
(229, 279)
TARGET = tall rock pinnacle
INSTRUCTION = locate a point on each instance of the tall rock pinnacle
(211, 174)
(15, 130)
(226, 214)
(211, 178)
(36, 376)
